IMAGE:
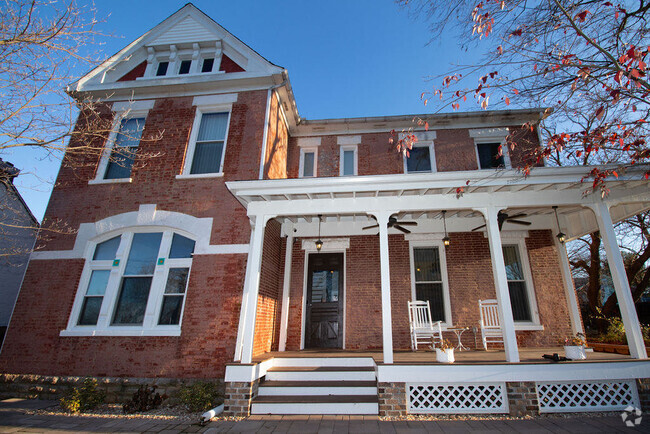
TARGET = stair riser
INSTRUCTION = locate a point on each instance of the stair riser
(318, 361)
(275, 391)
(312, 408)
(321, 376)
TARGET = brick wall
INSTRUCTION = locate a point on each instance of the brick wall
(275, 160)
(522, 398)
(455, 150)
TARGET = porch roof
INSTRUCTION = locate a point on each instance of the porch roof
(425, 195)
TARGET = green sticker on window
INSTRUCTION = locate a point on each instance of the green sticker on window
(161, 261)
(116, 262)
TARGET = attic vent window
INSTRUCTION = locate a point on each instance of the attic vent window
(162, 69)
(185, 67)
(208, 64)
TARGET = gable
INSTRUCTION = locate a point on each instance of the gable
(187, 30)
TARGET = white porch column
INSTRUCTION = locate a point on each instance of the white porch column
(569, 289)
(501, 284)
(242, 310)
(621, 285)
(284, 315)
(386, 316)
(251, 289)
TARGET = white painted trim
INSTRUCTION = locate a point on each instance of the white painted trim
(266, 133)
(119, 332)
(301, 169)
(246, 373)
(209, 106)
(215, 101)
(355, 165)
(489, 133)
(133, 106)
(329, 244)
(221, 249)
(199, 175)
(569, 288)
(110, 181)
(442, 254)
(432, 237)
(348, 140)
(432, 157)
(521, 326)
(308, 142)
(286, 292)
(422, 136)
(384, 260)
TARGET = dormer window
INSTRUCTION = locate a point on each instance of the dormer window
(208, 64)
(185, 67)
(162, 69)
(183, 59)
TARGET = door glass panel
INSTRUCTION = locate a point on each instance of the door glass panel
(325, 286)
(143, 254)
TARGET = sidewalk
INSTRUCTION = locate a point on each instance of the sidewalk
(13, 419)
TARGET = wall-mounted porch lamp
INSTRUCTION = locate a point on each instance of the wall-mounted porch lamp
(319, 242)
(561, 236)
(446, 240)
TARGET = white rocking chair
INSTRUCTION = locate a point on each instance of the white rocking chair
(490, 326)
(423, 330)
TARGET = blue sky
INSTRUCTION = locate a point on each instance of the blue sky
(345, 58)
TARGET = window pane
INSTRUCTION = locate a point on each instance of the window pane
(325, 286)
(182, 247)
(143, 254)
(121, 162)
(106, 251)
(308, 164)
(207, 157)
(519, 301)
(207, 65)
(427, 264)
(213, 127)
(98, 282)
(488, 155)
(348, 162)
(170, 313)
(90, 310)
(177, 280)
(185, 67)
(419, 160)
(513, 264)
(162, 68)
(130, 132)
(132, 301)
(433, 293)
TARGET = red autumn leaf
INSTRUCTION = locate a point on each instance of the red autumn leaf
(507, 101)
(426, 126)
(500, 49)
(600, 112)
(515, 91)
(614, 173)
(582, 16)
(516, 32)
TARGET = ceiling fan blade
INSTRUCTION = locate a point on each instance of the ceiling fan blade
(370, 227)
(517, 216)
(478, 227)
(519, 222)
(407, 223)
(398, 227)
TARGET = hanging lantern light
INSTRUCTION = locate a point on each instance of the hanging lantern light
(561, 236)
(319, 242)
(446, 240)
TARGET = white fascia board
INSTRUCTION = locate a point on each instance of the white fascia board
(245, 373)
(440, 373)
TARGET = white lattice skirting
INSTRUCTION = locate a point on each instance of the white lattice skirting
(457, 398)
(576, 396)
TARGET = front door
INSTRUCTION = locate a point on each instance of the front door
(324, 319)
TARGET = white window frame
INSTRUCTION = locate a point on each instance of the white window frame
(491, 135)
(301, 169)
(121, 111)
(520, 241)
(432, 156)
(413, 244)
(207, 104)
(149, 327)
(344, 148)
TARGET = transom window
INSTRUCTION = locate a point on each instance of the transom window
(125, 148)
(429, 281)
(142, 288)
(210, 143)
(489, 155)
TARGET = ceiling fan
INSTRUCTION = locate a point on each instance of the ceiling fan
(502, 217)
(393, 223)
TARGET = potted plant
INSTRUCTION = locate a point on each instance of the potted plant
(574, 347)
(445, 354)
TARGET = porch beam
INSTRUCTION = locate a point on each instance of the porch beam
(621, 284)
(386, 316)
(286, 285)
(501, 284)
(569, 288)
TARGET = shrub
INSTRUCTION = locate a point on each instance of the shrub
(200, 396)
(84, 398)
(145, 399)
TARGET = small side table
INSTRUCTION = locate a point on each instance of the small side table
(458, 331)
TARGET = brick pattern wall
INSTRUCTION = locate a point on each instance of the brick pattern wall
(643, 386)
(392, 399)
(522, 398)
(294, 324)
(238, 397)
(275, 160)
(455, 150)
(267, 319)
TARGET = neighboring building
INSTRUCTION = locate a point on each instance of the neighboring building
(18, 229)
(199, 262)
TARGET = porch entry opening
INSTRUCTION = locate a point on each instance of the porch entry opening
(324, 320)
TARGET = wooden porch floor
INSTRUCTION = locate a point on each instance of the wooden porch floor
(490, 357)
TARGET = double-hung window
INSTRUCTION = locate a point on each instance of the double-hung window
(520, 296)
(420, 159)
(491, 149)
(490, 156)
(125, 148)
(210, 143)
(308, 162)
(348, 161)
(429, 280)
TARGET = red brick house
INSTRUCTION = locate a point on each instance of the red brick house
(201, 261)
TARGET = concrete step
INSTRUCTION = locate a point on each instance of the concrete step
(323, 361)
(315, 404)
(322, 373)
(279, 388)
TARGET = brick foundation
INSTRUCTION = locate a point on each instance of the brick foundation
(392, 399)
(643, 386)
(522, 398)
(238, 397)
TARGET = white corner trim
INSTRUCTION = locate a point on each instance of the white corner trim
(210, 100)
(133, 106)
(489, 133)
(110, 181)
(309, 244)
(348, 140)
(423, 136)
(308, 142)
(199, 175)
